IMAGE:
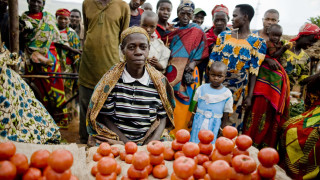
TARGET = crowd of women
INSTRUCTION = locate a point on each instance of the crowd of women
(142, 78)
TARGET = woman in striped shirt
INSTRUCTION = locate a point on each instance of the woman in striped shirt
(133, 100)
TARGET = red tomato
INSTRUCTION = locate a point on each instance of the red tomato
(239, 176)
(21, 162)
(205, 148)
(268, 157)
(267, 172)
(51, 174)
(112, 176)
(140, 160)
(175, 177)
(97, 157)
(7, 150)
(7, 170)
(156, 159)
(224, 145)
(229, 132)
(168, 154)
(104, 149)
(202, 158)
(244, 164)
(39, 159)
(217, 156)
(129, 158)
(155, 147)
(255, 175)
(178, 154)
(205, 136)
(236, 151)
(131, 147)
(94, 170)
(200, 172)
(115, 151)
(118, 170)
(182, 136)
(137, 174)
(219, 170)
(160, 171)
(190, 149)
(184, 167)
(149, 169)
(60, 160)
(123, 155)
(32, 173)
(176, 146)
(206, 165)
(107, 165)
(243, 142)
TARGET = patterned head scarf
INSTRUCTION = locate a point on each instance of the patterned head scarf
(308, 29)
(131, 30)
(63, 12)
(220, 8)
(186, 4)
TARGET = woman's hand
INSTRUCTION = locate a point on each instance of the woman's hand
(190, 67)
(247, 102)
(273, 65)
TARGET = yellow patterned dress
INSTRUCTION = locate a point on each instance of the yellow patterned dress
(242, 56)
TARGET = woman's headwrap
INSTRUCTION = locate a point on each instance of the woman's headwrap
(63, 12)
(132, 30)
(308, 29)
(220, 8)
(186, 4)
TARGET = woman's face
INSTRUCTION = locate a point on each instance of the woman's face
(135, 48)
(35, 6)
(185, 16)
(220, 20)
(63, 21)
(238, 19)
(164, 11)
(306, 41)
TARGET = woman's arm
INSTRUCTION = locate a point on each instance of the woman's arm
(252, 82)
(158, 132)
(113, 127)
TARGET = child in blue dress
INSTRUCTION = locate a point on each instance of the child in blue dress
(214, 102)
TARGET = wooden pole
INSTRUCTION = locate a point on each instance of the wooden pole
(14, 25)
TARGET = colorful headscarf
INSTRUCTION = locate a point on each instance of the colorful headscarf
(308, 29)
(220, 8)
(134, 29)
(186, 3)
(63, 12)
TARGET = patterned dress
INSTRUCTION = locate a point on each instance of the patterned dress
(22, 117)
(242, 56)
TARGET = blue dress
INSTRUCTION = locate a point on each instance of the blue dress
(212, 103)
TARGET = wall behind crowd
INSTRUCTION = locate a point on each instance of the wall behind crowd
(293, 13)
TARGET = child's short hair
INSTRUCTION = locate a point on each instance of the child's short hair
(274, 26)
(219, 64)
(163, 1)
(149, 14)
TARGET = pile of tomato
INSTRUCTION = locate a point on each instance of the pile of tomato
(228, 160)
(43, 164)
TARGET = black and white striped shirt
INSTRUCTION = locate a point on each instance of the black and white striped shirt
(133, 105)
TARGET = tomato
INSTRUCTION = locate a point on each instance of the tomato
(219, 170)
(140, 160)
(73, 177)
(156, 159)
(243, 142)
(176, 146)
(175, 177)
(200, 172)
(191, 149)
(104, 149)
(123, 155)
(205, 136)
(239, 176)
(202, 158)
(110, 155)
(7, 150)
(205, 148)
(182, 136)
(236, 151)
(160, 171)
(206, 165)
(149, 168)
(53, 175)
(224, 145)
(31, 174)
(107, 166)
(118, 169)
(60, 160)
(7, 170)
(21, 162)
(229, 132)
(255, 175)
(207, 177)
(178, 154)
(97, 157)
(129, 158)
(244, 164)
(39, 159)
(217, 156)
(94, 170)
(131, 147)
(137, 174)
(155, 147)
(168, 154)
(115, 151)
(125, 178)
(184, 167)
(112, 176)
(267, 172)
(268, 157)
